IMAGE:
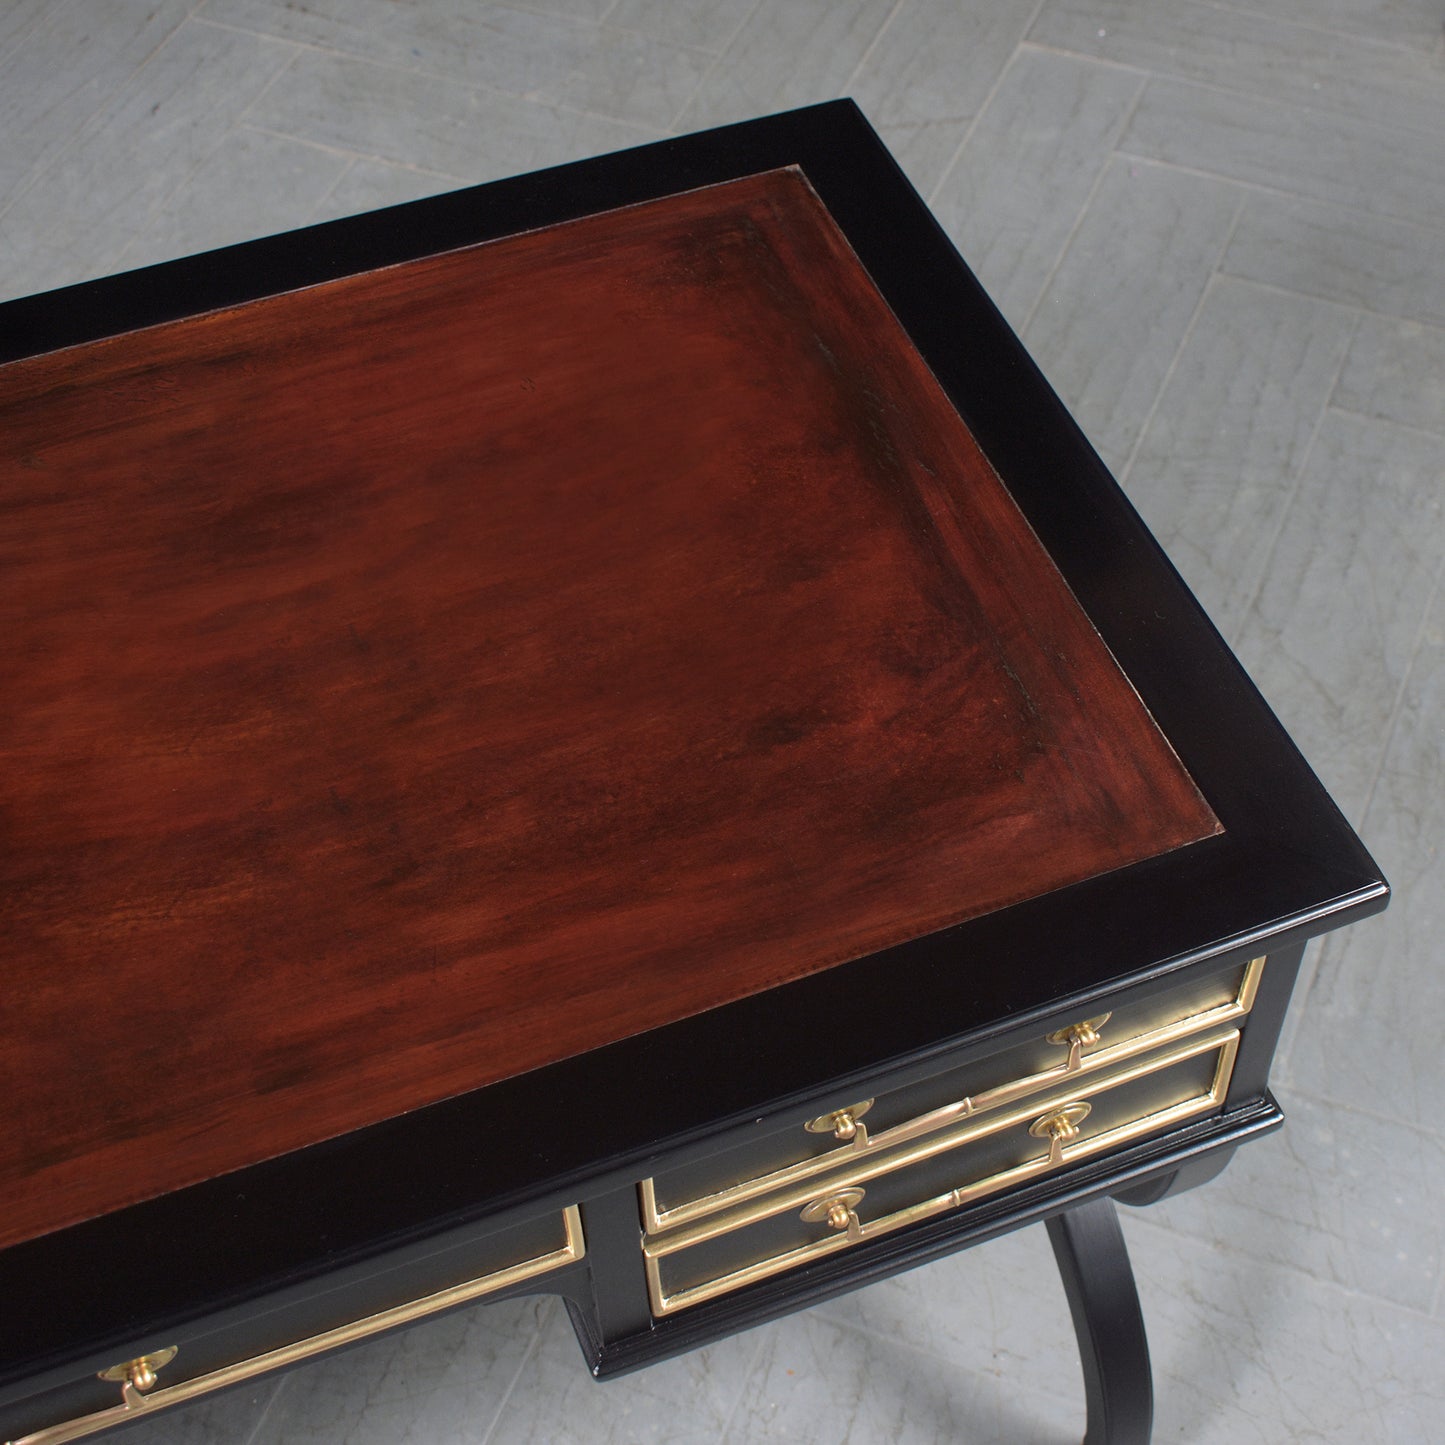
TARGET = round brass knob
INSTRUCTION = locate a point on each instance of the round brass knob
(140, 1373)
(1085, 1033)
(1061, 1125)
(837, 1211)
(842, 1124)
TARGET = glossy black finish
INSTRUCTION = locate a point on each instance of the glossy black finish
(1099, 1285)
(353, 1293)
(1286, 868)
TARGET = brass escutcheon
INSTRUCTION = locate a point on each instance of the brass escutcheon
(1080, 1036)
(1060, 1126)
(139, 1375)
(843, 1124)
(838, 1211)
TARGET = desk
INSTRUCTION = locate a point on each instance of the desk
(604, 734)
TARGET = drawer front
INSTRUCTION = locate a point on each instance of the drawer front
(148, 1383)
(807, 1220)
(853, 1129)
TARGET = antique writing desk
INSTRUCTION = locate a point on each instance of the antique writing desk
(602, 734)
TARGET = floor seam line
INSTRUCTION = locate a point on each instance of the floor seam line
(936, 189)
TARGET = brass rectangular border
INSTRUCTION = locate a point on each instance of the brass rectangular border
(656, 1220)
(136, 1405)
(655, 1250)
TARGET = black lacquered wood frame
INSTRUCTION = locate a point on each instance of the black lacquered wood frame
(1286, 867)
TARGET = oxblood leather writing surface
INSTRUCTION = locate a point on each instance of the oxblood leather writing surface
(424, 677)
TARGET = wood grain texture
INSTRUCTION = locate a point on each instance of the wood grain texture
(423, 677)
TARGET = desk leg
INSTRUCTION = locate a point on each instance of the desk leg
(1099, 1284)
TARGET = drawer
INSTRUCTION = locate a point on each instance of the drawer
(853, 1129)
(975, 1157)
(146, 1384)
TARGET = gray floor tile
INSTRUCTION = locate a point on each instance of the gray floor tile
(688, 1399)
(539, 57)
(252, 184)
(997, 1316)
(1031, 161)
(787, 53)
(79, 214)
(1256, 54)
(1340, 1195)
(1224, 448)
(1290, 148)
(1396, 371)
(1123, 296)
(17, 19)
(710, 24)
(1367, 1031)
(58, 67)
(500, 45)
(1245, 1353)
(819, 1382)
(422, 120)
(633, 77)
(928, 73)
(1341, 255)
(368, 185)
(1412, 23)
(572, 9)
(439, 1383)
(1329, 638)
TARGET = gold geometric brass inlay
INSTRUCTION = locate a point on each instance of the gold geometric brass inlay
(133, 1402)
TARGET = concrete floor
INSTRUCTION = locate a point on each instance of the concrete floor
(1220, 227)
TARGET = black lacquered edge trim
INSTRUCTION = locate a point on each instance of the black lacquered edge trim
(1287, 861)
(233, 275)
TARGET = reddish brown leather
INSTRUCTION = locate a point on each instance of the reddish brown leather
(426, 676)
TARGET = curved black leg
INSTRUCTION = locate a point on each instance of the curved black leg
(1187, 1176)
(1099, 1284)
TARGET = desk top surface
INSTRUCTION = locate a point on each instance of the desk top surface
(426, 676)
(240, 903)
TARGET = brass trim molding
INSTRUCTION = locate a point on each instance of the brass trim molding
(1056, 1122)
(1076, 1038)
(1249, 985)
(146, 1400)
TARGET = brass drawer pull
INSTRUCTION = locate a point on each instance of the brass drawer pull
(843, 1124)
(1080, 1036)
(138, 1376)
(839, 1211)
(1088, 1055)
(1058, 1124)
(1061, 1126)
